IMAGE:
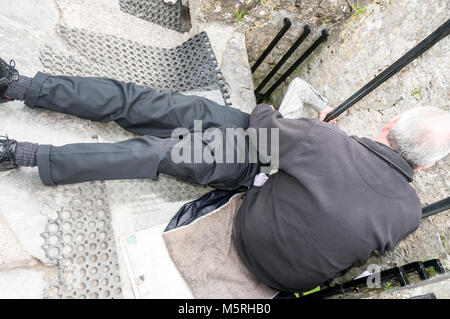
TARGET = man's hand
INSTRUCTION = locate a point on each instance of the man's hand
(324, 112)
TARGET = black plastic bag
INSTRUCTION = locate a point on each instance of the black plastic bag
(200, 207)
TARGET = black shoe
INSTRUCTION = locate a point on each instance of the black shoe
(8, 74)
(7, 153)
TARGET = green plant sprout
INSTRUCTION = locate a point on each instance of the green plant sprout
(431, 271)
(239, 16)
(357, 9)
(388, 286)
(444, 244)
(417, 92)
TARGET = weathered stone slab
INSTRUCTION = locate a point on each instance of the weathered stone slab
(24, 283)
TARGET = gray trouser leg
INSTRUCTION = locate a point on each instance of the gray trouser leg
(140, 110)
(143, 157)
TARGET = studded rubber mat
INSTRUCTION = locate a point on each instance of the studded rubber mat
(80, 241)
(156, 11)
(187, 67)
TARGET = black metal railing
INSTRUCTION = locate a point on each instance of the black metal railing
(286, 56)
(436, 207)
(286, 26)
(410, 56)
(294, 66)
(398, 274)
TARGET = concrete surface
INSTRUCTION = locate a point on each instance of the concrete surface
(24, 283)
(27, 26)
(237, 73)
(84, 14)
(12, 254)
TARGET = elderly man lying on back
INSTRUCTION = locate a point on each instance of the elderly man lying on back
(334, 199)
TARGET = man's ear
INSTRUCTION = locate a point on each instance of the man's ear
(391, 124)
(425, 166)
(382, 136)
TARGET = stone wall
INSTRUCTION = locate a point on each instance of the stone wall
(260, 21)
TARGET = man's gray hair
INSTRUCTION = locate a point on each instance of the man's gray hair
(422, 135)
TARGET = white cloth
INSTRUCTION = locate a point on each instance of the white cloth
(300, 92)
(260, 179)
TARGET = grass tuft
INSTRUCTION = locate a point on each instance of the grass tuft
(417, 92)
(444, 244)
(239, 16)
(357, 9)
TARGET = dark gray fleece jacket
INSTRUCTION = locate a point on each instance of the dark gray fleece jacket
(334, 200)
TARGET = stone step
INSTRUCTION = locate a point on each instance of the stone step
(107, 18)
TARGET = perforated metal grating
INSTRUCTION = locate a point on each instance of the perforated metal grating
(156, 11)
(80, 241)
